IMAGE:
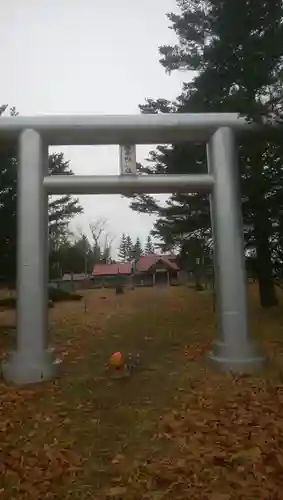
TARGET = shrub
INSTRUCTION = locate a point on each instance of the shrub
(57, 295)
(199, 287)
(8, 303)
(11, 303)
(75, 296)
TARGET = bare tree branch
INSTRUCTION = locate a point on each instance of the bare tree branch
(102, 240)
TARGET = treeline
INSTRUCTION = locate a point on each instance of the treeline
(233, 49)
(129, 250)
(79, 254)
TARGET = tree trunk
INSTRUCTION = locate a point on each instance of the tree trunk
(267, 292)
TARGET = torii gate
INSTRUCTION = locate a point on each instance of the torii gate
(33, 361)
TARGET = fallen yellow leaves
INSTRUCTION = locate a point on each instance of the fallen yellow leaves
(32, 472)
(175, 430)
(237, 448)
(116, 492)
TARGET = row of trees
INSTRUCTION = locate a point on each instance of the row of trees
(129, 250)
(79, 254)
(234, 49)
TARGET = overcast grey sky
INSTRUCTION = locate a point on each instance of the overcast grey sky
(87, 56)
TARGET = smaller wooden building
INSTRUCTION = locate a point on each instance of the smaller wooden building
(152, 270)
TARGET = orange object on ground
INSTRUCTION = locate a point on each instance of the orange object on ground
(117, 360)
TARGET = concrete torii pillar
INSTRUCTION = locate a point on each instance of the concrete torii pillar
(233, 349)
(32, 360)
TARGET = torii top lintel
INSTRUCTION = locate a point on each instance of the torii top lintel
(123, 129)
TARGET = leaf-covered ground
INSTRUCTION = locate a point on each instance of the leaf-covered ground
(175, 429)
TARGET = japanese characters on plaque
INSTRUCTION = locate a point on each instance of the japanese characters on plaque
(128, 162)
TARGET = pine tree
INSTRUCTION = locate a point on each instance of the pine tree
(137, 250)
(238, 71)
(129, 248)
(123, 249)
(149, 247)
(61, 210)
